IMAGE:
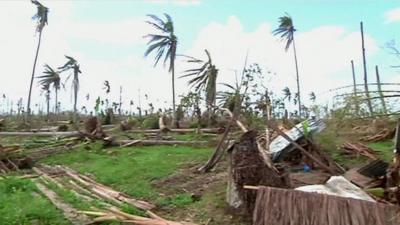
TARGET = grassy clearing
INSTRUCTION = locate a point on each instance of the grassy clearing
(20, 204)
(133, 169)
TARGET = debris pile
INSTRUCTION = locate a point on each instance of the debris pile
(359, 149)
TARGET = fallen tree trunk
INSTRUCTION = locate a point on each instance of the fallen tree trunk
(204, 130)
(41, 134)
(69, 212)
(157, 142)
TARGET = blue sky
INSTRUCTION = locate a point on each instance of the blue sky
(106, 37)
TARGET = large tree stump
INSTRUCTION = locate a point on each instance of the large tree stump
(247, 167)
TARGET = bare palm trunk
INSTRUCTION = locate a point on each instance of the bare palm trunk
(56, 103)
(75, 98)
(378, 81)
(355, 89)
(297, 77)
(175, 119)
(365, 71)
(48, 103)
(28, 108)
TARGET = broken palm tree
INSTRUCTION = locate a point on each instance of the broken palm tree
(248, 166)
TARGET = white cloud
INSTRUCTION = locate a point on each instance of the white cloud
(323, 53)
(393, 15)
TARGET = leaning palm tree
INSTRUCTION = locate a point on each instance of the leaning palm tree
(73, 65)
(286, 31)
(204, 78)
(41, 18)
(51, 78)
(164, 44)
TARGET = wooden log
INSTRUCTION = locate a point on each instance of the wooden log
(158, 142)
(204, 130)
(41, 134)
(105, 191)
(69, 212)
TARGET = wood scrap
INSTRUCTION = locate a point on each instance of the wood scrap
(115, 214)
(360, 149)
(380, 136)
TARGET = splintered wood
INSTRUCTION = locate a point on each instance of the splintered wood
(360, 149)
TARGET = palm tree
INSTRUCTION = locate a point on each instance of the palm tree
(51, 78)
(286, 31)
(41, 18)
(204, 79)
(73, 65)
(164, 45)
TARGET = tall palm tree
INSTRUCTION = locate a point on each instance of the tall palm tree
(41, 18)
(51, 78)
(164, 44)
(286, 31)
(204, 78)
(73, 65)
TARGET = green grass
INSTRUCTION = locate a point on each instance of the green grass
(132, 169)
(384, 149)
(331, 143)
(19, 205)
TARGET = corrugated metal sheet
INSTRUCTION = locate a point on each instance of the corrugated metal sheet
(280, 146)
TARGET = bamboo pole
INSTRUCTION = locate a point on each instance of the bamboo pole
(378, 81)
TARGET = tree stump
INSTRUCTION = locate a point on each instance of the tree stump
(247, 167)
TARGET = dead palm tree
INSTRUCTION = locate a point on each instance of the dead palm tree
(286, 31)
(164, 44)
(204, 78)
(41, 18)
(73, 65)
(51, 78)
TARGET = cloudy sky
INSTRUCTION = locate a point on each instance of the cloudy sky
(106, 37)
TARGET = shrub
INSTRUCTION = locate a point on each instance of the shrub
(150, 123)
